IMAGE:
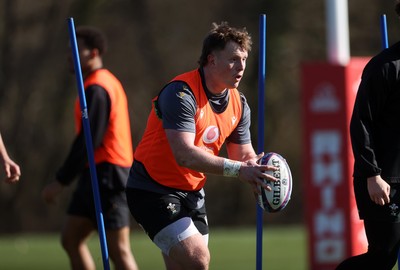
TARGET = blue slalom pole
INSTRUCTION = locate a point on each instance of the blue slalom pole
(89, 144)
(260, 142)
(384, 35)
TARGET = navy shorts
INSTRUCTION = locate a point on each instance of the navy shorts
(114, 206)
(155, 211)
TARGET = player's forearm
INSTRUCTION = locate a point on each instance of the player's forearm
(242, 152)
(3, 150)
(200, 160)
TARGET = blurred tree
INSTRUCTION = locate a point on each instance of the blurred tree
(149, 43)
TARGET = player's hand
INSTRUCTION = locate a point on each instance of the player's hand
(12, 170)
(257, 158)
(378, 190)
(253, 174)
(51, 192)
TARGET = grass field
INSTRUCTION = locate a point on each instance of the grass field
(233, 249)
(284, 248)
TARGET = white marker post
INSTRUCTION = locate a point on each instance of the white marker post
(337, 23)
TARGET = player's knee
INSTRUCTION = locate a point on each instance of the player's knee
(205, 261)
(120, 255)
(200, 259)
(195, 258)
(66, 243)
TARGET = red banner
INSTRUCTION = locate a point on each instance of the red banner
(334, 229)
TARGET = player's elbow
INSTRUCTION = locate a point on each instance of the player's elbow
(182, 160)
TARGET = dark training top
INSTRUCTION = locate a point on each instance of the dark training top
(179, 113)
(375, 123)
(99, 107)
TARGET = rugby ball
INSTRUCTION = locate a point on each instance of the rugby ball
(276, 199)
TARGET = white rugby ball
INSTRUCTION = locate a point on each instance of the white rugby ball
(276, 199)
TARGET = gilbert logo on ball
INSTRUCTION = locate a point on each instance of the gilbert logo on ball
(276, 199)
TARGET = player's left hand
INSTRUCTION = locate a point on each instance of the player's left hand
(378, 190)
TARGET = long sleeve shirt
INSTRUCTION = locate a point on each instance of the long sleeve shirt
(375, 123)
(98, 105)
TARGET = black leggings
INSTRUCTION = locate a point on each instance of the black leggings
(383, 247)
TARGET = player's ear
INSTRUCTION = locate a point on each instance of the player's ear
(94, 52)
(211, 59)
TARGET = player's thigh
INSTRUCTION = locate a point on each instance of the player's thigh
(154, 211)
(166, 218)
(118, 239)
(76, 229)
(191, 253)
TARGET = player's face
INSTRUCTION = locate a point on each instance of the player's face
(229, 65)
(84, 57)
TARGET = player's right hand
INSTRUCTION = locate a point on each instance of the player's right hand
(51, 192)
